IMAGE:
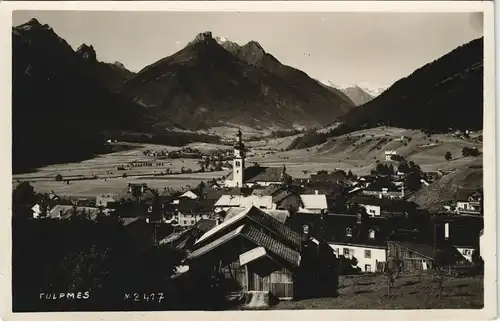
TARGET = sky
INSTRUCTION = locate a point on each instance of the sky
(374, 49)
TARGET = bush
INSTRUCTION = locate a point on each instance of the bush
(59, 178)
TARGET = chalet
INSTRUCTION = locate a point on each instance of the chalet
(259, 253)
(419, 256)
(469, 201)
(377, 207)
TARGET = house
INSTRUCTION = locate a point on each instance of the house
(389, 154)
(254, 175)
(104, 199)
(420, 256)
(135, 200)
(190, 211)
(469, 201)
(226, 202)
(377, 207)
(313, 203)
(279, 215)
(462, 233)
(259, 253)
(371, 258)
(37, 210)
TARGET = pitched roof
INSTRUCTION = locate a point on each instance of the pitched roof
(256, 236)
(129, 220)
(424, 250)
(262, 219)
(314, 201)
(244, 201)
(215, 193)
(194, 205)
(254, 174)
(268, 190)
(280, 215)
(136, 193)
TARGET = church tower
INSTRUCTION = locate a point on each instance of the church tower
(238, 162)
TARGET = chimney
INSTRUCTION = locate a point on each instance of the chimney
(142, 189)
(446, 230)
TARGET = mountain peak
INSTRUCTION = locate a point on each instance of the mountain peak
(87, 52)
(203, 36)
(252, 44)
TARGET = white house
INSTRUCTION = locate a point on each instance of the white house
(468, 201)
(37, 210)
(313, 203)
(369, 256)
(188, 219)
(389, 154)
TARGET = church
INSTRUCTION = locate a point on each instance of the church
(242, 176)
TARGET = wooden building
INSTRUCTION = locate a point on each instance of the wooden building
(258, 253)
(421, 257)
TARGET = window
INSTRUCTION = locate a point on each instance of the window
(348, 231)
(368, 268)
(368, 254)
(238, 163)
(466, 252)
(371, 234)
(237, 171)
(346, 252)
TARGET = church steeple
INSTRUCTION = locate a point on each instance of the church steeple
(239, 161)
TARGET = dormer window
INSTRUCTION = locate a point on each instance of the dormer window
(348, 232)
(371, 234)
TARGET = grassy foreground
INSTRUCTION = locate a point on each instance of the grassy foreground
(409, 292)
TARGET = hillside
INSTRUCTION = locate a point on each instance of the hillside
(59, 109)
(446, 93)
(357, 95)
(208, 85)
(438, 194)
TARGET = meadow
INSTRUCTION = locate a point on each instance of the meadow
(408, 292)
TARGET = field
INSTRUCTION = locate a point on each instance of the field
(358, 152)
(409, 292)
(111, 180)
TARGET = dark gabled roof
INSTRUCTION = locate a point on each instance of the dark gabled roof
(268, 191)
(464, 193)
(281, 195)
(133, 193)
(254, 174)
(270, 243)
(256, 236)
(424, 250)
(261, 219)
(195, 206)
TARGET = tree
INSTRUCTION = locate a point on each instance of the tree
(447, 156)
(23, 199)
(58, 178)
